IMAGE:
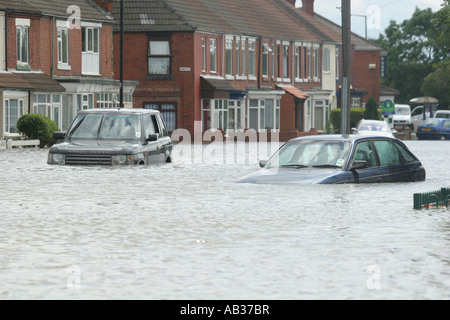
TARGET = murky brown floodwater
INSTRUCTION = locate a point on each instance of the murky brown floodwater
(186, 231)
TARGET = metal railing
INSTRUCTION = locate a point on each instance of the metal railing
(434, 199)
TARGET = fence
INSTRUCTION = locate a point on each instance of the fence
(435, 199)
(18, 144)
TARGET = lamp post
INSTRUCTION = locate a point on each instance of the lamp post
(346, 66)
(121, 55)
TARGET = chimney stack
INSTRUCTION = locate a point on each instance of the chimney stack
(308, 7)
(106, 5)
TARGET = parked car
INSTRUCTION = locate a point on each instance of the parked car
(374, 128)
(113, 137)
(442, 114)
(336, 159)
(417, 116)
(402, 116)
(434, 129)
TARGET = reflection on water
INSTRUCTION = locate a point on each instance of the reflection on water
(186, 231)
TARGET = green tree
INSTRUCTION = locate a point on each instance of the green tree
(411, 54)
(371, 112)
(437, 83)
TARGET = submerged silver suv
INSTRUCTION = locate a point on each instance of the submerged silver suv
(113, 137)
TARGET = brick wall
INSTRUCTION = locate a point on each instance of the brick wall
(363, 76)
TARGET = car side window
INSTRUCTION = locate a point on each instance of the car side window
(405, 153)
(148, 124)
(387, 152)
(364, 152)
(446, 124)
(162, 126)
(155, 125)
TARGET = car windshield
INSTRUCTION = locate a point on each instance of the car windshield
(374, 127)
(402, 111)
(431, 122)
(308, 153)
(106, 127)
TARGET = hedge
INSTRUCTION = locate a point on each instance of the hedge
(37, 126)
(356, 114)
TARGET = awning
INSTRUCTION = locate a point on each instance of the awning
(41, 82)
(11, 81)
(216, 88)
(294, 91)
(29, 81)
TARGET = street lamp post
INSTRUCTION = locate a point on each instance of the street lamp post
(121, 54)
(346, 66)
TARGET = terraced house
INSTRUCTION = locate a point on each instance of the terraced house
(56, 58)
(233, 65)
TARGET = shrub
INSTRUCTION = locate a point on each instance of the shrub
(36, 126)
(371, 112)
(356, 114)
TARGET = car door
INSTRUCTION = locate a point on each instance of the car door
(372, 173)
(395, 167)
(164, 142)
(153, 147)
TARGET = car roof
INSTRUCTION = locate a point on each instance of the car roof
(121, 111)
(340, 137)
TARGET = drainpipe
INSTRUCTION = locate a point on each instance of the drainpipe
(259, 61)
(6, 40)
(52, 65)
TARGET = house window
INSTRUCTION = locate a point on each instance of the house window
(22, 45)
(90, 50)
(243, 61)
(316, 63)
(356, 102)
(337, 63)
(13, 111)
(229, 57)
(285, 61)
(159, 57)
(213, 55)
(326, 59)
(48, 105)
(63, 46)
(265, 60)
(235, 114)
(321, 114)
(203, 54)
(278, 60)
(168, 112)
(274, 48)
(251, 58)
(264, 114)
(297, 62)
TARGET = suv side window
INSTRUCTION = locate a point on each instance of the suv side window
(162, 126)
(387, 152)
(148, 126)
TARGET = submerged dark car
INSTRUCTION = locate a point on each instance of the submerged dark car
(113, 137)
(337, 159)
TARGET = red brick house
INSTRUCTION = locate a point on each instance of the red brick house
(231, 65)
(55, 59)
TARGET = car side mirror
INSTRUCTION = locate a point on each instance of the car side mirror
(354, 130)
(152, 137)
(262, 163)
(359, 164)
(59, 135)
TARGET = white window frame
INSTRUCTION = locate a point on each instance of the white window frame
(90, 50)
(265, 59)
(326, 60)
(49, 105)
(260, 107)
(22, 29)
(213, 55)
(7, 114)
(229, 57)
(203, 54)
(316, 64)
(251, 58)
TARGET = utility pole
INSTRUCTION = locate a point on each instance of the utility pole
(121, 54)
(346, 66)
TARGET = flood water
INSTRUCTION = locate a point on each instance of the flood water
(185, 230)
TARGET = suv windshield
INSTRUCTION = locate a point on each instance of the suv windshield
(106, 127)
(317, 154)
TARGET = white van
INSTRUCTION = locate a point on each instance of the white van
(442, 114)
(402, 116)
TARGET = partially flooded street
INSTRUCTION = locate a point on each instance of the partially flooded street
(185, 230)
